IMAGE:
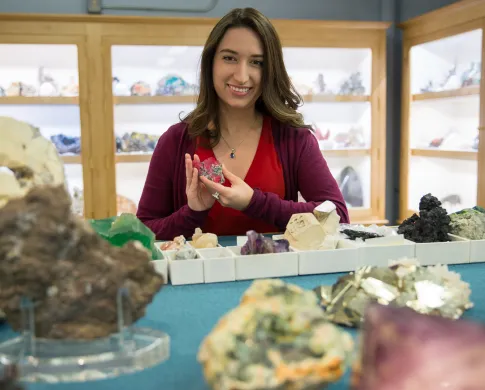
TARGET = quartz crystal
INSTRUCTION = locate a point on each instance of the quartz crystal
(186, 252)
(277, 338)
(210, 168)
(73, 275)
(403, 350)
(27, 159)
(430, 290)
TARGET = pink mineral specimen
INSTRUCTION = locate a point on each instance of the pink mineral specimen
(405, 350)
(210, 168)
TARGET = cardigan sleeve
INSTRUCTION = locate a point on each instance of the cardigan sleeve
(155, 208)
(315, 183)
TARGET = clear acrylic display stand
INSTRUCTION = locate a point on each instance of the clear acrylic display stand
(44, 360)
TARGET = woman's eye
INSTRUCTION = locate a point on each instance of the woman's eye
(228, 58)
(258, 63)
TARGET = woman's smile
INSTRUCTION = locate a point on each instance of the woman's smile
(239, 91)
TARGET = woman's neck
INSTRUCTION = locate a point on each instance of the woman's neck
(234, 122)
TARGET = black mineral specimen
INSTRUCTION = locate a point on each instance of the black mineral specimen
(354, 234)
(432, 224)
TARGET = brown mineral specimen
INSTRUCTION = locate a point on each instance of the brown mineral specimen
(71, 274)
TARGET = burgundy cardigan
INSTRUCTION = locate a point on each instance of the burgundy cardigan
(163, 204)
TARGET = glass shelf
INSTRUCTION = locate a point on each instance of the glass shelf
(160, 104)
(129, 350)
(39, 85)
(444, 120)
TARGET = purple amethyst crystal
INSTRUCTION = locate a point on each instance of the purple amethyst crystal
(257, 244)
(403, 350)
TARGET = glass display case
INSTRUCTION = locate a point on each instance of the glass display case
(441, 116)
(153, 87)
(39, 85)
(335, 84)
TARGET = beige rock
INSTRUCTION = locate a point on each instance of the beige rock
(204, 240)
(304, 232)
(326, 213)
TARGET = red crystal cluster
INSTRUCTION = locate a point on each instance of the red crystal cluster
(210, 168)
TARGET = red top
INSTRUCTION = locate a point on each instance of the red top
(265, 173)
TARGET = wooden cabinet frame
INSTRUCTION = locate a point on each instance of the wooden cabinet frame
(461, 17)
(95, 35)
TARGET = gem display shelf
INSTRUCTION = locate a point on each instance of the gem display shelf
(154, 87)
(442, 110)
(129, 350)
(225, 264)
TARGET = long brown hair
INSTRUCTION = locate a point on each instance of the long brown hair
(279, 97)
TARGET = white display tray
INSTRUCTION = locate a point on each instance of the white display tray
(456, 251)
(271, 265)
(477, 251)
(343, 259)
(161, 267)
(184, 271)
(378, 252)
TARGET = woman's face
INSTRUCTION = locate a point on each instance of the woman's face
(238, 68)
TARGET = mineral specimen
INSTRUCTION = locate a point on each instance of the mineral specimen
(186, 252)
(355, 234)
(175, 244)
(277, 338)
(469, 223)
(326, 214)
(404, 350)
(210, 168)
(28, 158)
(428, 290)
(432, 224)
(204, 240)
(257, 244)
(124, 228)
(70, 273)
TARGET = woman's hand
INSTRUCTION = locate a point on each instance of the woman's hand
(198, 197)
(238, 196)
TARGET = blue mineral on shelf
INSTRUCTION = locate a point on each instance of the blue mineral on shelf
(2, 92)
(431, 225)
(174, 85)
(351, 187)
(67, 144)
(353, 86)
(137, 142)
(141, 88)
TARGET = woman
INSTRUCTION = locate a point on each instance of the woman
(246, 118)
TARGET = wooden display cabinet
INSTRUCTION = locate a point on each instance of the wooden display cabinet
(442, 113)
(320, 57)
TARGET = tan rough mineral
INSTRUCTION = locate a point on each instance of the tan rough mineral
(27, 159)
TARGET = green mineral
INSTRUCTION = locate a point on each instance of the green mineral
(469, 223)
(127, 227)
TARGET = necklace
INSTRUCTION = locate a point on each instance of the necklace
(233, 150)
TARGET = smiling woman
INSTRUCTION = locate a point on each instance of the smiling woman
(246, 117)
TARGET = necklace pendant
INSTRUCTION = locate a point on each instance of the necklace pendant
(233, 153)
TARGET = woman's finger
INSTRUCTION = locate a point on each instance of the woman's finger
(188, 171)
(196, 158)
(194, 182)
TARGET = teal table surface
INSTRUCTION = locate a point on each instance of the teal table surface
(188, 313)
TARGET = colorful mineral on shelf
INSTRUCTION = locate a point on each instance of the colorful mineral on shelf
(432, 224)
(173, 85)
(141, 88)
(403, 350)
(66, 144)
(210, 168)
(430, 290)
(469, 223)
(257, 244)
(71, 273)
(277, 338)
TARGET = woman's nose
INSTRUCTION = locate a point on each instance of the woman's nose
(241, 75)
